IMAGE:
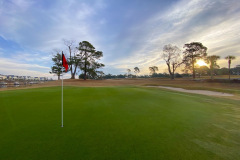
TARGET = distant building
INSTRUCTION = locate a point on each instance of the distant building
(43, 79)
(36, 78)
(12, 77)
(29, 78)
(3, 77)
(23, 78)
(20, 77)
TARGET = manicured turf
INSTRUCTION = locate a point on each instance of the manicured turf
(117, 123)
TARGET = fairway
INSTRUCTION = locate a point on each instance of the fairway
(117, 123)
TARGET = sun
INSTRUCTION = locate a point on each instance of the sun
(201, 63)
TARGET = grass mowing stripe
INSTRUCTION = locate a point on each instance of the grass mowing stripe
(117, 123)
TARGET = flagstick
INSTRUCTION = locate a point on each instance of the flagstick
(62, 97)
(64, 65)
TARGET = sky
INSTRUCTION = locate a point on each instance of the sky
(130, 33)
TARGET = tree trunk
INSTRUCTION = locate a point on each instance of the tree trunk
(170, 72)
(193, 76)
(212, 74)
(229, 72)
(70, 61)
(58, 77)
(85, 70)
(173, 70)
(172, 76)
(72, 76)
(211, 67)
(76, 64)
(75, 70)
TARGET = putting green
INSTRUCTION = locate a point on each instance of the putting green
(117, 123)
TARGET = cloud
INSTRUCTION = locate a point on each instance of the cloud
(34, 25)
(128, 37)
(18, 68)
(30, 31)
(214, 23)
(32, 57)
(9, 66)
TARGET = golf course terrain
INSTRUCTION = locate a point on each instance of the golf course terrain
(117, 123)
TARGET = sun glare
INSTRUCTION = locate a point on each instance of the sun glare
(201, 63)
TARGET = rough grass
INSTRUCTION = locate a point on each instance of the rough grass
(117, 123)
(233, 88)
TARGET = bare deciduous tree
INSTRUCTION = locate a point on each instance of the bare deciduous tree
(69, 44)
(172, 56)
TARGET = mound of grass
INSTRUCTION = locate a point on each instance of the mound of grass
(117, 123)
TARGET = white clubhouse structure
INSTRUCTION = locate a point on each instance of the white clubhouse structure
(22, 78)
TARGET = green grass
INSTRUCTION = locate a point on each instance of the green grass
(117, 123)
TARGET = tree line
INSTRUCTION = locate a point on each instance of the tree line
(174, 58)
(82, 58)
(194, 51)
(200, 71)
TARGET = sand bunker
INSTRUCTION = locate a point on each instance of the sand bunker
(203, 92)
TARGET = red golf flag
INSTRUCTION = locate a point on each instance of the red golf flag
(64, 62)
